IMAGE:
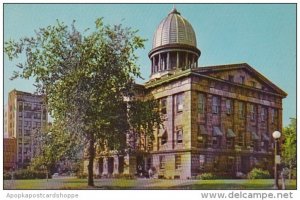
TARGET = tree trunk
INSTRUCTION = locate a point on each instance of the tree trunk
(91, 151)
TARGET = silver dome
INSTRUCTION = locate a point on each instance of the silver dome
(174, 29)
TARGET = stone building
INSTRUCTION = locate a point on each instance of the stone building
(217, 119)
(26, 114)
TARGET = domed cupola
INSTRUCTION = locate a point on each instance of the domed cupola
(174, 46)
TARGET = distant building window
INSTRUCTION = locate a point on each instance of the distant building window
(163, 106)
(177, 161)
(37, 115)
(20, 122)
(201, 103)
(228, 106)
(27, 106)
(241, 110)
(231, 78)
(20, 107)
(179, 135)
(252, 112)
(162, 162)
(27, 115)
(179, 102)
(215, 104)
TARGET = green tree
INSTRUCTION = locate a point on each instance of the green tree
(52, 144)
(143, 117)
(290, 146)
(84, 77)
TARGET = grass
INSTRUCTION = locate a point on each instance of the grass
(108, 184)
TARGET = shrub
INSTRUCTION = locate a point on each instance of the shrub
(124, 176)
(257, 173)
(206, 176)
(29, 174)
(6, 175)
(82, 175)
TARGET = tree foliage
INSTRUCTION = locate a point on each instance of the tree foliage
(290, 145)
(84, 77)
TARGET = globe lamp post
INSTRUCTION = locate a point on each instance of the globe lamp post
(276, 135)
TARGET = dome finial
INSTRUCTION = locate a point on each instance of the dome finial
(174, 10)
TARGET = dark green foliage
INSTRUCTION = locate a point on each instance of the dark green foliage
(26, 174)
(257, 173)
(6, 176)
(290, 147)
(124, 176)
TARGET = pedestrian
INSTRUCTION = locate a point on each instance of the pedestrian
(150, 173)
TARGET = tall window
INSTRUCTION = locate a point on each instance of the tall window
(163, 106)
(263, 114)
(177, 161)
(202, 136)
(179, 135)
(164, 138)
(201, 161)
(201, 103)
(241, 110)
(27, 106)
(179, 102)
(274, 115)
(241, 139)
(20, 107)
(162, 162)
(252, 112)
(228, 106)
(215, 104)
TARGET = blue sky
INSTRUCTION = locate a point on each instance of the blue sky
(262, 35)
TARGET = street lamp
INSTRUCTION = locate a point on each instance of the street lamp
(276, 135)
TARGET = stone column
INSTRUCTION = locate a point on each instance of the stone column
(159, 62)
(154, 65)
(96, 166)
(186, 61)
(177, 60)
(193, 61)
(129, 164)
(105, 166)
(168, 61)
(116, 164)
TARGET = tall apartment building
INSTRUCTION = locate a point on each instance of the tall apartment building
(217, 119)
(5, 126)
(26, 115)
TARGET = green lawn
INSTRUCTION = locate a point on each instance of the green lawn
(74, 183)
